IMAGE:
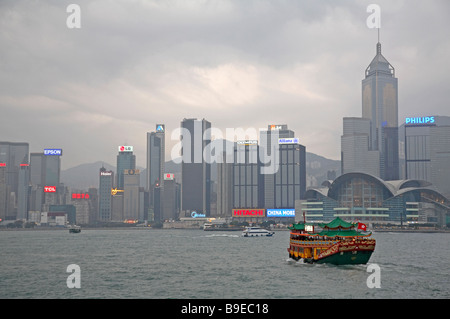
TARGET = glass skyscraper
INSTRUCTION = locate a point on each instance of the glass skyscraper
(425, 151)
(380, 106)
(155, 157)
(195, 169)
(125, 160)
(370, 144)
(105, 199)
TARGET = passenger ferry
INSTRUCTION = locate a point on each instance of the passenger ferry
(256, 232)
(74, 229)
(336, 242)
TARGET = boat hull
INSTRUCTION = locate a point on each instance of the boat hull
(346, 258)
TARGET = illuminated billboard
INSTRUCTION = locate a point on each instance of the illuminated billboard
(125, 148)
(160, 128)
(289, 140)
(169, 176)
(249, 212)
(80, 196)
(281, 212)
(50, 189)
(425, 120)
(53, 151)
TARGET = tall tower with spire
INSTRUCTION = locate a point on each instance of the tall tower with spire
(380, 106)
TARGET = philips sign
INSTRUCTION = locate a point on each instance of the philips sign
(53, 151)
(426, 120)
(281, 212)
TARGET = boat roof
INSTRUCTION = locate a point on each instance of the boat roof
(337, 223)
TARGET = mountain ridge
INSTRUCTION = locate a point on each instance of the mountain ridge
(86, 175)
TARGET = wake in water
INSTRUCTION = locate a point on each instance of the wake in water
(220, 235)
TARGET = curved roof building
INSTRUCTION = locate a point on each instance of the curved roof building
(365, 197)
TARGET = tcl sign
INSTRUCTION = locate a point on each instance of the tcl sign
(50, 189)
(248, 212)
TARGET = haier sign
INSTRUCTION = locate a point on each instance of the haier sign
(426, 120)
(282, 212)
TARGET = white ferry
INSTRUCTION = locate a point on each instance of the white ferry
(256, 232)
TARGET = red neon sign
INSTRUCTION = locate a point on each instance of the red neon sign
(50, 189)
(80, 196)
(2, 164)
(248, 212)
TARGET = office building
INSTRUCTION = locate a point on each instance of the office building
(380, 106)
(356, 153)
(125, 160)
(379, 124)
(23, 192)
(169, 204)
(155, 157)
(225, 169)
(104, 199)
(248, 182)
(425, 150)
(131, 194)
(195, 169)
(45, 173)
(12, 155)
(287, 183)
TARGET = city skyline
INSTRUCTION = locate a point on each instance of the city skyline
(235, 63)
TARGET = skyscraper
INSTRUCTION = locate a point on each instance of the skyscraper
(155, 157)
(370, 144)
(288, 181)
(356, 154)
(380, 106)
(125, 160)
(425, 150)
(12, 155)
(195, 169)
(105, 198)
(248, 182)
(131, 194)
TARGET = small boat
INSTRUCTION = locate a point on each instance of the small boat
(337, 242)
(256, 232)
(75, 229)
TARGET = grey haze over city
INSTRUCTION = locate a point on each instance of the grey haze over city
(134, 64)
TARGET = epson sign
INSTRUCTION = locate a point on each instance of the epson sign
(426, 120)
(53, 151)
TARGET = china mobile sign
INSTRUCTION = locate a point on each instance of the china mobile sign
(249, 212)
(282, 212)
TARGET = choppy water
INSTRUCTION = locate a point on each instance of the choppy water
(164, 264)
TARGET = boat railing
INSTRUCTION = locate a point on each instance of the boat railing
(314, 242)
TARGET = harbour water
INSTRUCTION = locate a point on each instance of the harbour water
(194, 264)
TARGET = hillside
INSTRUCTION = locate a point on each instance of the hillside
(87, 175)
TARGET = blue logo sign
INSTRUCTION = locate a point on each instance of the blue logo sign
(426, 120)
(197, 215)
(282, 212)
(160, 128)
(292, 140)
(53, 151)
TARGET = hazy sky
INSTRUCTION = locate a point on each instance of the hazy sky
(239, 63)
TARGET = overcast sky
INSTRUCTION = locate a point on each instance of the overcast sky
(246, 64)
